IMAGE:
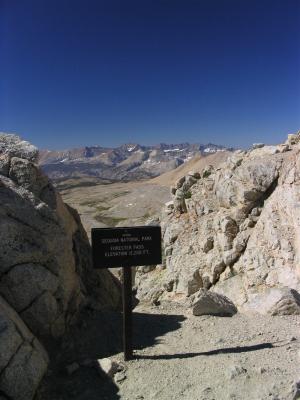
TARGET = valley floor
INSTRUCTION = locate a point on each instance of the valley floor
(180, 356)
(117, 204)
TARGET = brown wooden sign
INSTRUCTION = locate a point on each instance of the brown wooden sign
(126, 247)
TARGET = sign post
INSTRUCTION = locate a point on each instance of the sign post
(126, 247)
(127, 313)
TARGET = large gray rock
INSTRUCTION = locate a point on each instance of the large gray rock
(274, 301)
(210, 303)
(288, 304)
(46, 272)
(13, 146)
(45, 263)
(23, 360)
(293, 138)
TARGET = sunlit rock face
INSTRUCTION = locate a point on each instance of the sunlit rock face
(46, 274)
(235, 230)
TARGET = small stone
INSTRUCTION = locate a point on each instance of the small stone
(72, 368)
(208, 244)
(287, 304)
(296, 391)
(169, 285)
(194, 174)
(282, 148)
(235, 371)
(108, 366)
(258, 145)
(169, 204)
(180, 182)
(120, 376)
(255, 212)
(261, 370)
(293, 138)
(121, 366)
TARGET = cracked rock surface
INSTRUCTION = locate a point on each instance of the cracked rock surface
(46, 273)
(235, 230)
(23, 360)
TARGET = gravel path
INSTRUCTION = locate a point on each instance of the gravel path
(243, 357)
(180, 356)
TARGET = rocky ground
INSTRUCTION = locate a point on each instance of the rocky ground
(179, 356)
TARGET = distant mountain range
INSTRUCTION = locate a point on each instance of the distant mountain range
(125, 163)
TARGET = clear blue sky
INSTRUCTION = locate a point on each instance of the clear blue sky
(113, 71)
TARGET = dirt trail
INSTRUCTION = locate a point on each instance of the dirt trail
(243, 357)
(180, 356)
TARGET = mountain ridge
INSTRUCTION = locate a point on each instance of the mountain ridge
(127, 162)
